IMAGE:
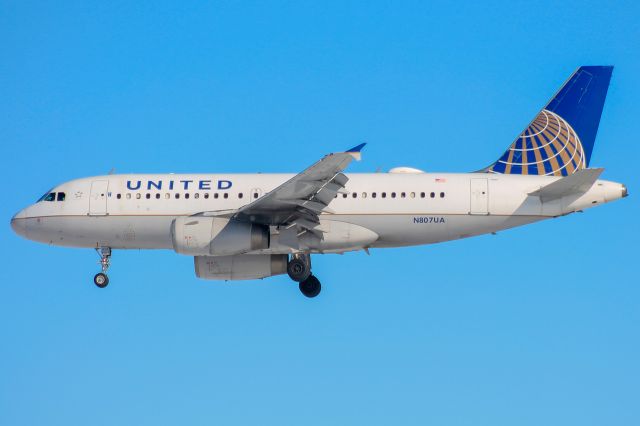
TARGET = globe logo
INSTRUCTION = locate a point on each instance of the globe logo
(548, 146)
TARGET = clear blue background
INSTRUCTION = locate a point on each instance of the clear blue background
(537, 325)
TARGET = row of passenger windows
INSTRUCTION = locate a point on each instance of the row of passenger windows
(52, 196)
(60, 196)
(392, 195)
(177, 195)
(225, 195)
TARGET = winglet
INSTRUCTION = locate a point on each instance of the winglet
(355, 151)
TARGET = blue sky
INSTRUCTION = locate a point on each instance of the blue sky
(537, 325)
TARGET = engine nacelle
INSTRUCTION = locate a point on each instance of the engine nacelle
(203, 236)
(240, 267)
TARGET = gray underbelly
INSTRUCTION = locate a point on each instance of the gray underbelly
(125, 232)
(398, 230)
(154, 232)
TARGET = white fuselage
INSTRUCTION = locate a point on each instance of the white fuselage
(399, 209)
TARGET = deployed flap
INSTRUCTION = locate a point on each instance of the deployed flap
(577, 183)
(303, 197)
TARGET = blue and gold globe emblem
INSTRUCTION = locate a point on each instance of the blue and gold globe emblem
(549, 146)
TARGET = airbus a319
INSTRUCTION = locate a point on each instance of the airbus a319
(251, 226)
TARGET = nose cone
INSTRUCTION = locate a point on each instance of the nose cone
(19, 223)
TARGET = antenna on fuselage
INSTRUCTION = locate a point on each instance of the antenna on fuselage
(112, 171)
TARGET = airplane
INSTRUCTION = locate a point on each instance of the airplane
(253, 226)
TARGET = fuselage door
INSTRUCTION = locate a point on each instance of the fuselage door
(479, 197)
(98, 199)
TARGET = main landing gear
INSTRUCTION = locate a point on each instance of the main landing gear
(299, 270)
(101, 279)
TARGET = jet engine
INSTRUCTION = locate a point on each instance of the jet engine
(203, 236)
(240, 267)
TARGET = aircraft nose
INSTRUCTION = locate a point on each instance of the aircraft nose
(19, 223)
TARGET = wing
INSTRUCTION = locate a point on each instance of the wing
(300, 200)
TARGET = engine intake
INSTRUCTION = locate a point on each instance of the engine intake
(215, 236)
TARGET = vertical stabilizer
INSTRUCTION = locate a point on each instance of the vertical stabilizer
(559, 141)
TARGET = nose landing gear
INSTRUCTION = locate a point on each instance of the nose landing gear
(101, 279)
(299, 270)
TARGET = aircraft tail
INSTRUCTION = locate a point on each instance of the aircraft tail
(560, 139)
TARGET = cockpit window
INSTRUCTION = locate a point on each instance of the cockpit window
(52, 196)
(46, 194)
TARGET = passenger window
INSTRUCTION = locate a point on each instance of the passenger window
(354, 195)
(384, 195)
(240, 195)
(422, 194)
(402, 195)
(364, 195)
(167, 195)
(128, 196)
(50, 197)
(196, 195)
(148, 196)
(412, 194)
(226, 195)
(61, 196)
(215, 195)
(442, 195)
(206, 195)
(158, 196)
(186, 195)
(118, 196)
(255, 195)
(373, 195)
(432, 195)
(344, 195)
(177, 195)
(393, 195)
(138, 196)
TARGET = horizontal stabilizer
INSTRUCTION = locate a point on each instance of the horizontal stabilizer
(578, 183)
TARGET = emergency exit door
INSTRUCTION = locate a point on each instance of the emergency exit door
(479, 196)
(98, 198)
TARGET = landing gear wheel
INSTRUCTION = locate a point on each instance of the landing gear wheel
(298, 269)
(310, 287)
(101, 280)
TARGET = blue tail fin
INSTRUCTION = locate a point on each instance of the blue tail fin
(559, 141)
